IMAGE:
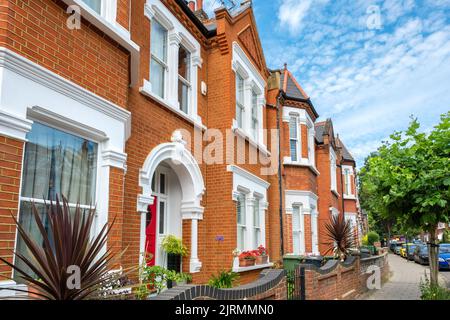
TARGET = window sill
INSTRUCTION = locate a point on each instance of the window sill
(335, 193)
(261, 147)
(302, 163)
(349, 197)
(114, 30)
(146, 91)
(255, 267)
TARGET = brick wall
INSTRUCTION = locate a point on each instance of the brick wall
(11, 153)
(271, 285)
(116, 183)
(342, 281)
(37, 30)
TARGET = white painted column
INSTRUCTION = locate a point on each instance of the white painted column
(314, 231)
(172, 83)
(195, 263)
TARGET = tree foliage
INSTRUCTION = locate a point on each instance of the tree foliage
(406, 183)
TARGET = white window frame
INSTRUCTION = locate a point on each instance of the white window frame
(255, 191)
(240, 105)
(161, 62)
(298, 248)
(257, 228)
(333, 170)
(186, 82)
(178, 36)
(348, 177)
(297, 138)
(253, 83)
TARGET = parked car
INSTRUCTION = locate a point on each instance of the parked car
(410, 252)
(407, 249)
(421, 254)
(444, 256)
(397, 248)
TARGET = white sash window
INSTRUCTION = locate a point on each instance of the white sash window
(158, 64)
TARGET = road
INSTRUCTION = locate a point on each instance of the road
(404, 282)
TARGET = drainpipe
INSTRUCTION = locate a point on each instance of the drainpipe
(280, 180)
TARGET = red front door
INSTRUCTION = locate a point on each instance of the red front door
(150, 233)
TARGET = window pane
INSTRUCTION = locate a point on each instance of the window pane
(158, 41)
(239, 89)
(256, 217)
(57, 162)
(239, 115)
(183, 63)
(162, 216)
(293, 150)
(162, 183)
(157, 78)
(183, 96)
(95, 5)
(293, 128)
(241, 210)
(240, 238)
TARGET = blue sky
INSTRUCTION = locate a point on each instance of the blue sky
(368, 78)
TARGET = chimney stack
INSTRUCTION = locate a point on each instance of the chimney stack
(195, 5)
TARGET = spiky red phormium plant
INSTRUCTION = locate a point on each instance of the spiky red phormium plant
(340, 236)
(68, 243)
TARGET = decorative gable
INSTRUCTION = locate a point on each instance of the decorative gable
(248, 39)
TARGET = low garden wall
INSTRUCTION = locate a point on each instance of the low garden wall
(271, 285)
(340, 280)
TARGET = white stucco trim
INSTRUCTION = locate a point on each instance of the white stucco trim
(8, 289)
(107, 23)
(187, 170)
(46, 89)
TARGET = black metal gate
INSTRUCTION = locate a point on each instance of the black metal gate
(295, 280)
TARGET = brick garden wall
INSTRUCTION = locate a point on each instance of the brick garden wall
(342, 281)
(271, 285)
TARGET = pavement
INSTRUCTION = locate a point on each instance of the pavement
(404, 282)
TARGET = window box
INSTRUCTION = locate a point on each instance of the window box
(246, 262)
(261, 260)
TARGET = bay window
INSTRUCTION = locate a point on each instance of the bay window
(294, 139)
(158, 63)
(240, 100)
(241, 221)
(347, 182)
(55, 163)
(184, 84)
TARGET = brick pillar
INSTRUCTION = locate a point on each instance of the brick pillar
(115, 209)
(11, 155)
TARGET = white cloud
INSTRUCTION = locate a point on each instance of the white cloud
(292, 12)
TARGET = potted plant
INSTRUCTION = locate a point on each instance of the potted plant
(183, 278)
(247, 259)
(175, 250)
(262, 257)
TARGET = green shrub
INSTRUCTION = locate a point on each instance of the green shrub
(225, 279)
(173, 245)
(430, 292)
(372, 237)
(365, 240)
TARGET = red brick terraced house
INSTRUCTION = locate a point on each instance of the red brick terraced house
(157, 113)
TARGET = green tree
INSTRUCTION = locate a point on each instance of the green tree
(408, 181)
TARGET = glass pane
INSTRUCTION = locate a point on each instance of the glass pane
(157, 78)
(95, 5)
(254, 105)
(240, 238)
(239, 115)
(257, 239)
(57, 162)
(239, 89)
(293, 150)
(256, 215)
(293, 128)
(183, 96)
(162, 216)
(296, 219)
(183, 63)
(27, 221)
(162, 183)
(158, 41)
(241, 210)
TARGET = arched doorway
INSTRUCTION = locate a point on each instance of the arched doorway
(173, 185)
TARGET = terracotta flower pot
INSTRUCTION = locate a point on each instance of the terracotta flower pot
(246, 262)
(262, 260)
